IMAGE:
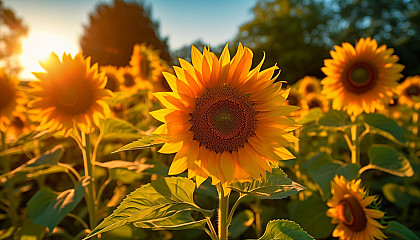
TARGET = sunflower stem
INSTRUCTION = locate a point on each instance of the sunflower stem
(90, 193)
(355, 154)
(223, 213)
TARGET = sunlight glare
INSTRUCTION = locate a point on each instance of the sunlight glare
(38, 47)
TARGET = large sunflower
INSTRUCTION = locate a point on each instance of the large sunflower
(308, 85)
(409, 92)
(349, 209)
(361, 78)
(11, 99)
(224, 120)
(69, 92)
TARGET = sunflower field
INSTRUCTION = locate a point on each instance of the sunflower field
(217, 146)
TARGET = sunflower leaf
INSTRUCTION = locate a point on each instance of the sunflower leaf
(313, 115)
(402, 232)
(387, 159)
(285, 230)
(162, 204)
(311, 215)
(386, 127)
(142, 143)
(241, 222)
(323, 168)
(401, 195)
(335, 119)
(48, 208)
(118, 128)
(276, 186)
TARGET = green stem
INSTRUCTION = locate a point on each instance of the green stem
(90, 193)
(258, 223)
(223, 213)
(212, 233)
(355, 149)
(232, 210)
(77, 218)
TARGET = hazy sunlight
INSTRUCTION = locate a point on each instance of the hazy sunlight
(37, 47)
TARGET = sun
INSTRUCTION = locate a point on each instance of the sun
(38, 47)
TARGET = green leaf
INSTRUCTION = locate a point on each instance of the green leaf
(31, 231)
(49, 158)
(162, 204)
(144, 142)
(323, 169)
(401, 195)
(387, 159)
(118, 128)
(313, 115)
(284, 230)
(275, 186)
(311, 215)
(336, 119)
(48, 208)
(386, 127)
(402, 232)
(241, 222)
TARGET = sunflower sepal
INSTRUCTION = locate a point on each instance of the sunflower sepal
(153, 140)
(276, 185)
(284, 229)
(165, 203)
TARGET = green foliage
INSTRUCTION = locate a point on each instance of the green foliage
(401, 195)
(284, 230)
(323, 169)
(144, 142)
(275, 186)
(113, 128)
(311, 215)
(31, 231)
(386, 127)
(402, 232)
(241, 222)
(48, 208)
(387, 159)
(313, 116)
(335, 119)
(162, 204)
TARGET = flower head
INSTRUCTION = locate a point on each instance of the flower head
(315, 100)
(362, 78)
(11, 99)
(409, 92)
(69, 93)
(309, 85)
(224, 120)
(349, 210)
(113, 80)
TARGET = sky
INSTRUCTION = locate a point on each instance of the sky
(57, 25)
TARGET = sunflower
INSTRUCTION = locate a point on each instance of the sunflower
(130, 83)
(348, 209)
(314, 100)
(295, 99)
(148, 66)
(361, 78)
(11, 99)
(409, 92)
(224, 120)
(308, 85)
(70, 92)
(114, 82)
(18, 126)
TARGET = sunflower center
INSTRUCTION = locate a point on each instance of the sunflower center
(128, 80)
(352, 214)
(314, 103)
(293, 100)
(360, 77)
(68, 96)
(413, 91)
(309, 88)
(223, 119)
(144, 67)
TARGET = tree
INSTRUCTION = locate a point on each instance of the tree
(12, 29)
(115, 29)
(291, 32)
